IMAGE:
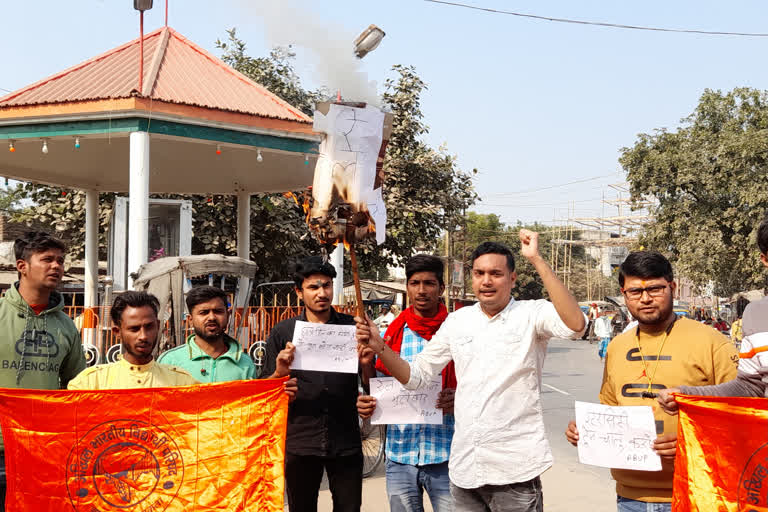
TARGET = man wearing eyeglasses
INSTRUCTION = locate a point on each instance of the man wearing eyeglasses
(663, 351)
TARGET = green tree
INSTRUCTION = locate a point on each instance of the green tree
(64, 211)
(708, 182)
(10, 198)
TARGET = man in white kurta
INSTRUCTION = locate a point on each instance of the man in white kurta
(498, 345)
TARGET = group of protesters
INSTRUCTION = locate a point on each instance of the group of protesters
(491, 447)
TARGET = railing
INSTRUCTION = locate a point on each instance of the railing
(255, 325)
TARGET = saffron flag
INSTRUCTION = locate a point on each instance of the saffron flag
(722, 455)
(195, 448)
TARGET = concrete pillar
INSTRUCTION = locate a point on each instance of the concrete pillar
(91, 248)
(337, 260)
(244, 225)
(138, 207)
(243, 251)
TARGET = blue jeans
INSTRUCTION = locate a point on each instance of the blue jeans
(406, 484)
(628, 505)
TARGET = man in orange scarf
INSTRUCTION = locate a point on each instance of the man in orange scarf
(417, 455)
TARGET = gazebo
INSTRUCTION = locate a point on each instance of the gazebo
(187, 124)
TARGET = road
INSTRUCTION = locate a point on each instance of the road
(572, 371)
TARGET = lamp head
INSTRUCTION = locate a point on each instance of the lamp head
(368, 41)
(142, 5)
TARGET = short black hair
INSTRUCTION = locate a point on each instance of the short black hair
(647, 264)
(309, 266)
(494, 248)
(202, 294)
(762, 236)
(33, 242)
(741, 304)
(425, 263)
(132, 299)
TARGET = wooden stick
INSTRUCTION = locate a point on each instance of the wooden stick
(356, 279)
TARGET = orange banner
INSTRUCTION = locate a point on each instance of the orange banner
(196, 448)
(722, 455)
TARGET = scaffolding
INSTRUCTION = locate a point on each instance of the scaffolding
(620, 230)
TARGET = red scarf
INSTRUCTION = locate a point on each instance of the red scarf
(424, 327)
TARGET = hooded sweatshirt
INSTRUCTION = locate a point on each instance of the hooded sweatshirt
(37, 351)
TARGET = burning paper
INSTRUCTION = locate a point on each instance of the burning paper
(347, 196)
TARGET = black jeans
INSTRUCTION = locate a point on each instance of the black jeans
(303, 474)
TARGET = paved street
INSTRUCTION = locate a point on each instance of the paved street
(572, 372)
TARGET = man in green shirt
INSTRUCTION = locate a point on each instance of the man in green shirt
(210, 355)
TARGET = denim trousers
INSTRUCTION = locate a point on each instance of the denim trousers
(517, 497)
(628, 505)
(406, 485)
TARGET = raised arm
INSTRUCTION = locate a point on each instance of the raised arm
(565, 304)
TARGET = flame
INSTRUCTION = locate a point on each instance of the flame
(305, 206)
(291, 195)
(346, 244)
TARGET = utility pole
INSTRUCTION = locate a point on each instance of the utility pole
(448, 271)
(464, 255)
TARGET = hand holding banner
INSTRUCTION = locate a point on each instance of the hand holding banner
(616, 437)
(325, 347)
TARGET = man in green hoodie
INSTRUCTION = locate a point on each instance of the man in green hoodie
(40, 347)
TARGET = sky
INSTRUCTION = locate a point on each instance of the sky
(540, 109)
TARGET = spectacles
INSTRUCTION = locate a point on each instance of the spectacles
(652, 291)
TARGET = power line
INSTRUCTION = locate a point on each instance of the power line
(538, 205)
(550, 187)
(599, 23)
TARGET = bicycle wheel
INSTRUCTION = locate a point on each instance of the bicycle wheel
(374, 439)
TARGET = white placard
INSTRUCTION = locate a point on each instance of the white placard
(325, 347)
(395, 404)
(617, 437)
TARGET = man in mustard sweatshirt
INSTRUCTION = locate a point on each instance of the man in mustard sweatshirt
(661, 352)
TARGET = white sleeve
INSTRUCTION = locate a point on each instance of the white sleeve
(549, 325)
(431, 361)
(754, 353)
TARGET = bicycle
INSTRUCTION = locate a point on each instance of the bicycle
(374, 439)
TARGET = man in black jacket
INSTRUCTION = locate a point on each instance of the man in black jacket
(323, 428)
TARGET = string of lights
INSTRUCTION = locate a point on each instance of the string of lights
(599, 23)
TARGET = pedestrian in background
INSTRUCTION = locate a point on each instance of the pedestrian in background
(603, 331)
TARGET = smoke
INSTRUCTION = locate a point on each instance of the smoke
(288, 22)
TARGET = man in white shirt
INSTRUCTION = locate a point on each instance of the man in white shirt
(500, 445)
(386, 317)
